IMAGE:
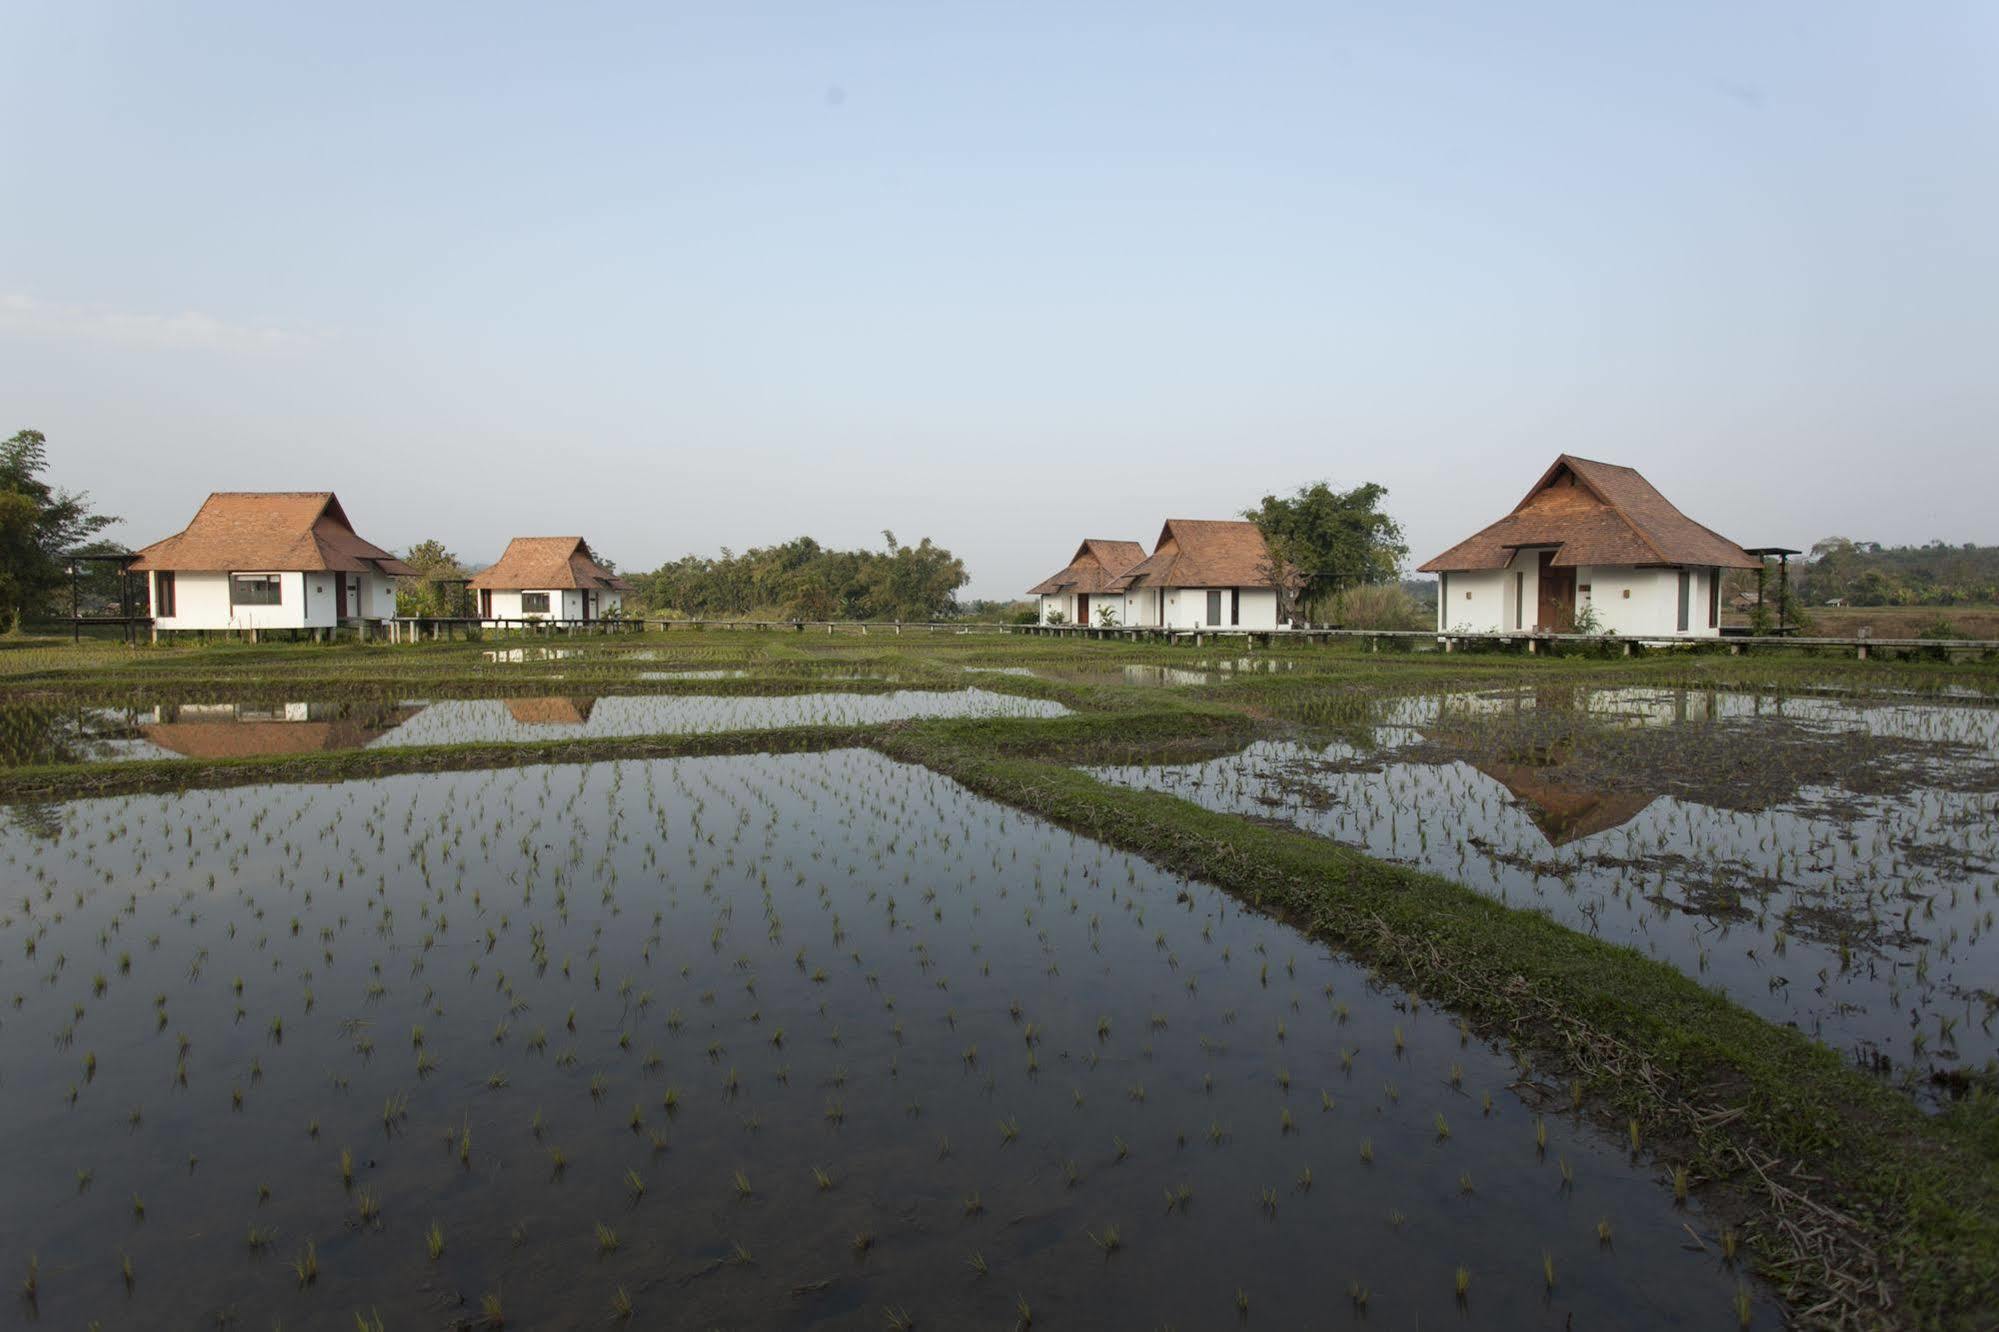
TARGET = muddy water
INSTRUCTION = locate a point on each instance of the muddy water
(1828, 865)
(765, 965)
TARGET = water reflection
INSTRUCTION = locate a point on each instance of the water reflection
(35, 734)
(1827, 864)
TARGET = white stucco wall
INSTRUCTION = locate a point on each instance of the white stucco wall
(563, 604)
(201, 601)
(1652, 607)
(1187, 608)
(1474, 603)
(1630, 602)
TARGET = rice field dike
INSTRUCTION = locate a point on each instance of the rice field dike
(758, 980)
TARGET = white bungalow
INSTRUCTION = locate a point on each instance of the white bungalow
(1090, 582)
(260, 560)
(548, 578)
(1204, 574)
(1589, 537)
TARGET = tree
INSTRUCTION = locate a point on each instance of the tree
(433, 591)
(1322, 540)
(39, 524)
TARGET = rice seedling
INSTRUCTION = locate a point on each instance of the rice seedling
(306, 1266)
(607, 1239)
(1461, 1283)
(742, 1183)
(433, 1241)
(621, 1306)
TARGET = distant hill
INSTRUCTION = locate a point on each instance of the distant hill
(1867, 573)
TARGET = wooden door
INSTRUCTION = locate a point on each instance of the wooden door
(1555, 612)
(1082, 608)
(339, 597)
(586, 605)
(485, 603)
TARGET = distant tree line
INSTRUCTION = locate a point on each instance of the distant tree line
(1867, 573)
(803, 580)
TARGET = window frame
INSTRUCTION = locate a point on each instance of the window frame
(164, 604)
(1686, 616)
(1214, 607)
(238, 581)
(541, 609)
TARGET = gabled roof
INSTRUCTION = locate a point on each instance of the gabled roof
(1205, 552)
(540, 563)
(1095, 567)
(276, 531)
(1594, 513)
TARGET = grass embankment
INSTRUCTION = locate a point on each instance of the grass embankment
(1866, 1212)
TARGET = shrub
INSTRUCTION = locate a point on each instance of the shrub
(1378, 606)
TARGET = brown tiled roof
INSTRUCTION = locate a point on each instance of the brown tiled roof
(1595, 513)
(278, 531)
(1204, 552)
(548, 562)
(551, 711)
(1095, 568)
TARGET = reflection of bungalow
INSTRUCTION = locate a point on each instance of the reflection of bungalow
(1090, 582)
(1562, 812)
(225, 730)
(551, 711)
(1204, 574)
(269, 560)
(555, 578)
(1588, 536)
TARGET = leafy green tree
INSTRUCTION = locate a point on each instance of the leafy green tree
(39, 524)
(431, 592)
(1322, 540)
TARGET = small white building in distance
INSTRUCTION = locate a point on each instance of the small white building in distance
(1080, 592)
(548, 578)
(261, 560)
(1202, 574)
(1591, 541)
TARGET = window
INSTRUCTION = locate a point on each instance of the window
(1215, 607)
(1519, 597)
(163, 595)
(1714, 598)
(1685, 595)
(534, 603)
(1235, 605)
(256, 590)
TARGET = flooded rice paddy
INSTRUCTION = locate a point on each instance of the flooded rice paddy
(40, 733)
(1827, 864)
(763, 1041)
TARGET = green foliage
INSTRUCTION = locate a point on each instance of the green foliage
(38, 526)
(1328, 539)
(804, 580)
(1380, 606)
(1867, 573)
(429, 593)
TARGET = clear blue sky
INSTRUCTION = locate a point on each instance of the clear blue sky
(1008, 274)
